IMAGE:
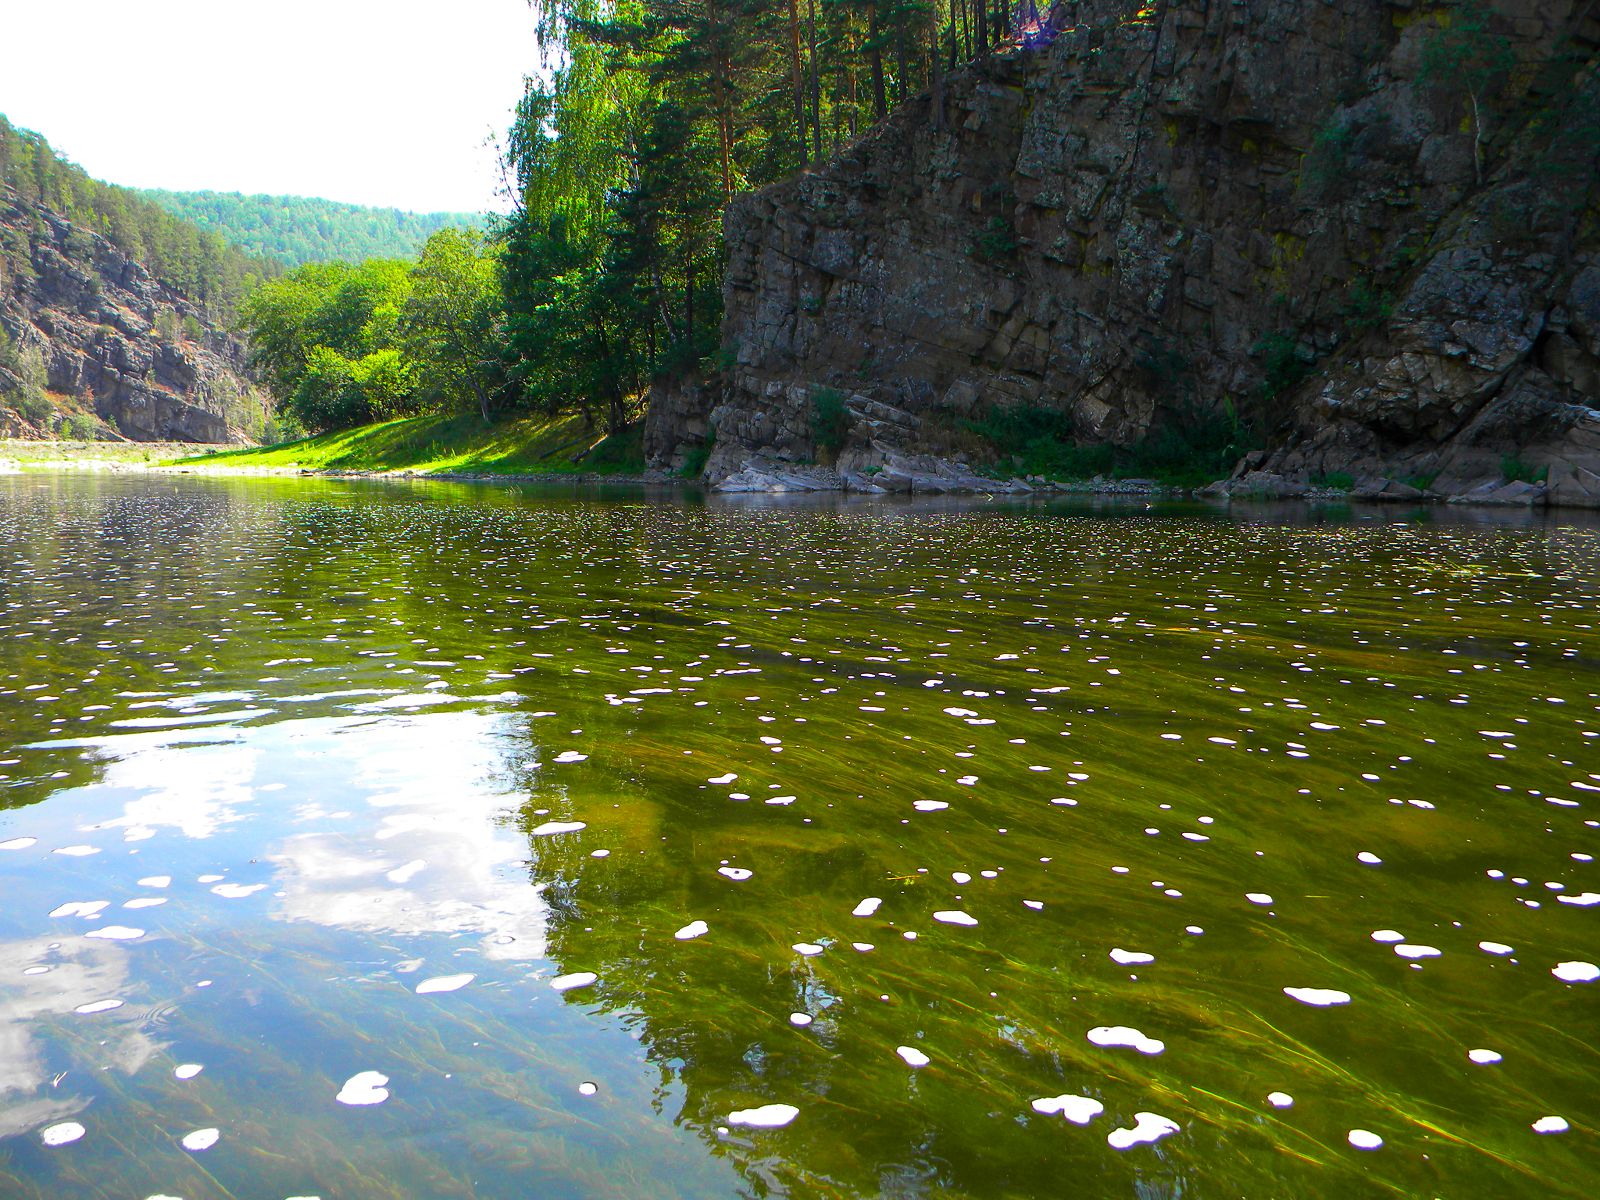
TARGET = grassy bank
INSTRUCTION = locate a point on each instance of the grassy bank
(458, 443)
(29, 452)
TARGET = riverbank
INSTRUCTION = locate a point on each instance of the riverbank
(453, 445)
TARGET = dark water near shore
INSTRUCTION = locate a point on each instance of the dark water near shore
(1228, 836)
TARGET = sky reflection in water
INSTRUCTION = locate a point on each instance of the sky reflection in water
(478, 844)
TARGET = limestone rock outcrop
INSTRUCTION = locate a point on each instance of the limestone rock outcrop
(1269, 208)
(111, 338)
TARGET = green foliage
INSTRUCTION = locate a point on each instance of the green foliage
(830, 422)
(1365, 307)
(694, 461)
(1327, 164)
(295, 230)
(1189, 446)
(997, 242)
(199, 263)
(75, 427)
(651, 115)
(1514, 470)
(28, 399)
(449, 321)
(1341, 481)
(1284, 363)
(1463, 55)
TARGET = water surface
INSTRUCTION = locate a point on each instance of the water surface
(947, 828)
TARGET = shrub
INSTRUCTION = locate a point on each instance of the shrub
(830, 421)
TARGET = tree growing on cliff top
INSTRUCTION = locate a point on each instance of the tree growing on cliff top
(1463, 55)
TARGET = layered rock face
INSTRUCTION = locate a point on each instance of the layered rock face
(111, 337)
(1269, 208)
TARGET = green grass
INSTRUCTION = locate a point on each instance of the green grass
(530, 445)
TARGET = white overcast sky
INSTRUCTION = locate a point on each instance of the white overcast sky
(381, 102)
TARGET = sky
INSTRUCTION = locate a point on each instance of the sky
(378, 102)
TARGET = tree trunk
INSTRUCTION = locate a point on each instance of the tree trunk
(816, 84)
(880, 102)
(798, 76)
(935, 68)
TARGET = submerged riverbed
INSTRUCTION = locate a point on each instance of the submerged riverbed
(367, 841)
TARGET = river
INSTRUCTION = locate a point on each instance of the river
(369, 840)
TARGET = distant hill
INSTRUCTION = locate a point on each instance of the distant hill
(201, 264)
(297, 229)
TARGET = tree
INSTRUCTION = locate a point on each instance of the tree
(450, 319)
(1462, 54)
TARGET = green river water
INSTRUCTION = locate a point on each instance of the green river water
(364, 841)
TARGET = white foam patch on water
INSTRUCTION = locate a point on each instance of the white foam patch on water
(867, 907)
(1368, 857)
(1494, 948)
(1485, 1057)
(1148, 1127)
(116, 933)
(187, 1071)
(780, 799)
(1280, 1099)
(692, 930)
(156, 881)
(599, 854)
(1388, 935)
(1130, 958)
(960, 712)
(737, 874)
(1080, 1110)
(587, 1088)
(35, 970)
(768, 1116)
(145, 902)
(1551, 1125)
(1582, 899)
(954, 916)
(1125, 1035)
(237, 891)
(961, 877)
(17, 843)
(444, 983)
(1364, 1139)
(1034, 904)
(405, 873)
(364, 1088)
(1408, 950)
(97, 1006)
(570, 756)
(79, 908)
(1317, 997)
(1258, 897)
(63, 1134)
(721, 779)
(553, 827)
(1576, 972)
(77, 851)
(578, 979)
(200, 1139)
(809, 949)
(928, 805)
(800, 1019)
(911, 1056)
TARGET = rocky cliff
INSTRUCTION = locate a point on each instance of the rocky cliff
(92, 337)
(1370, 229)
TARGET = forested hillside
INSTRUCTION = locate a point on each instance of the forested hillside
(200, 264)
(296, 229)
